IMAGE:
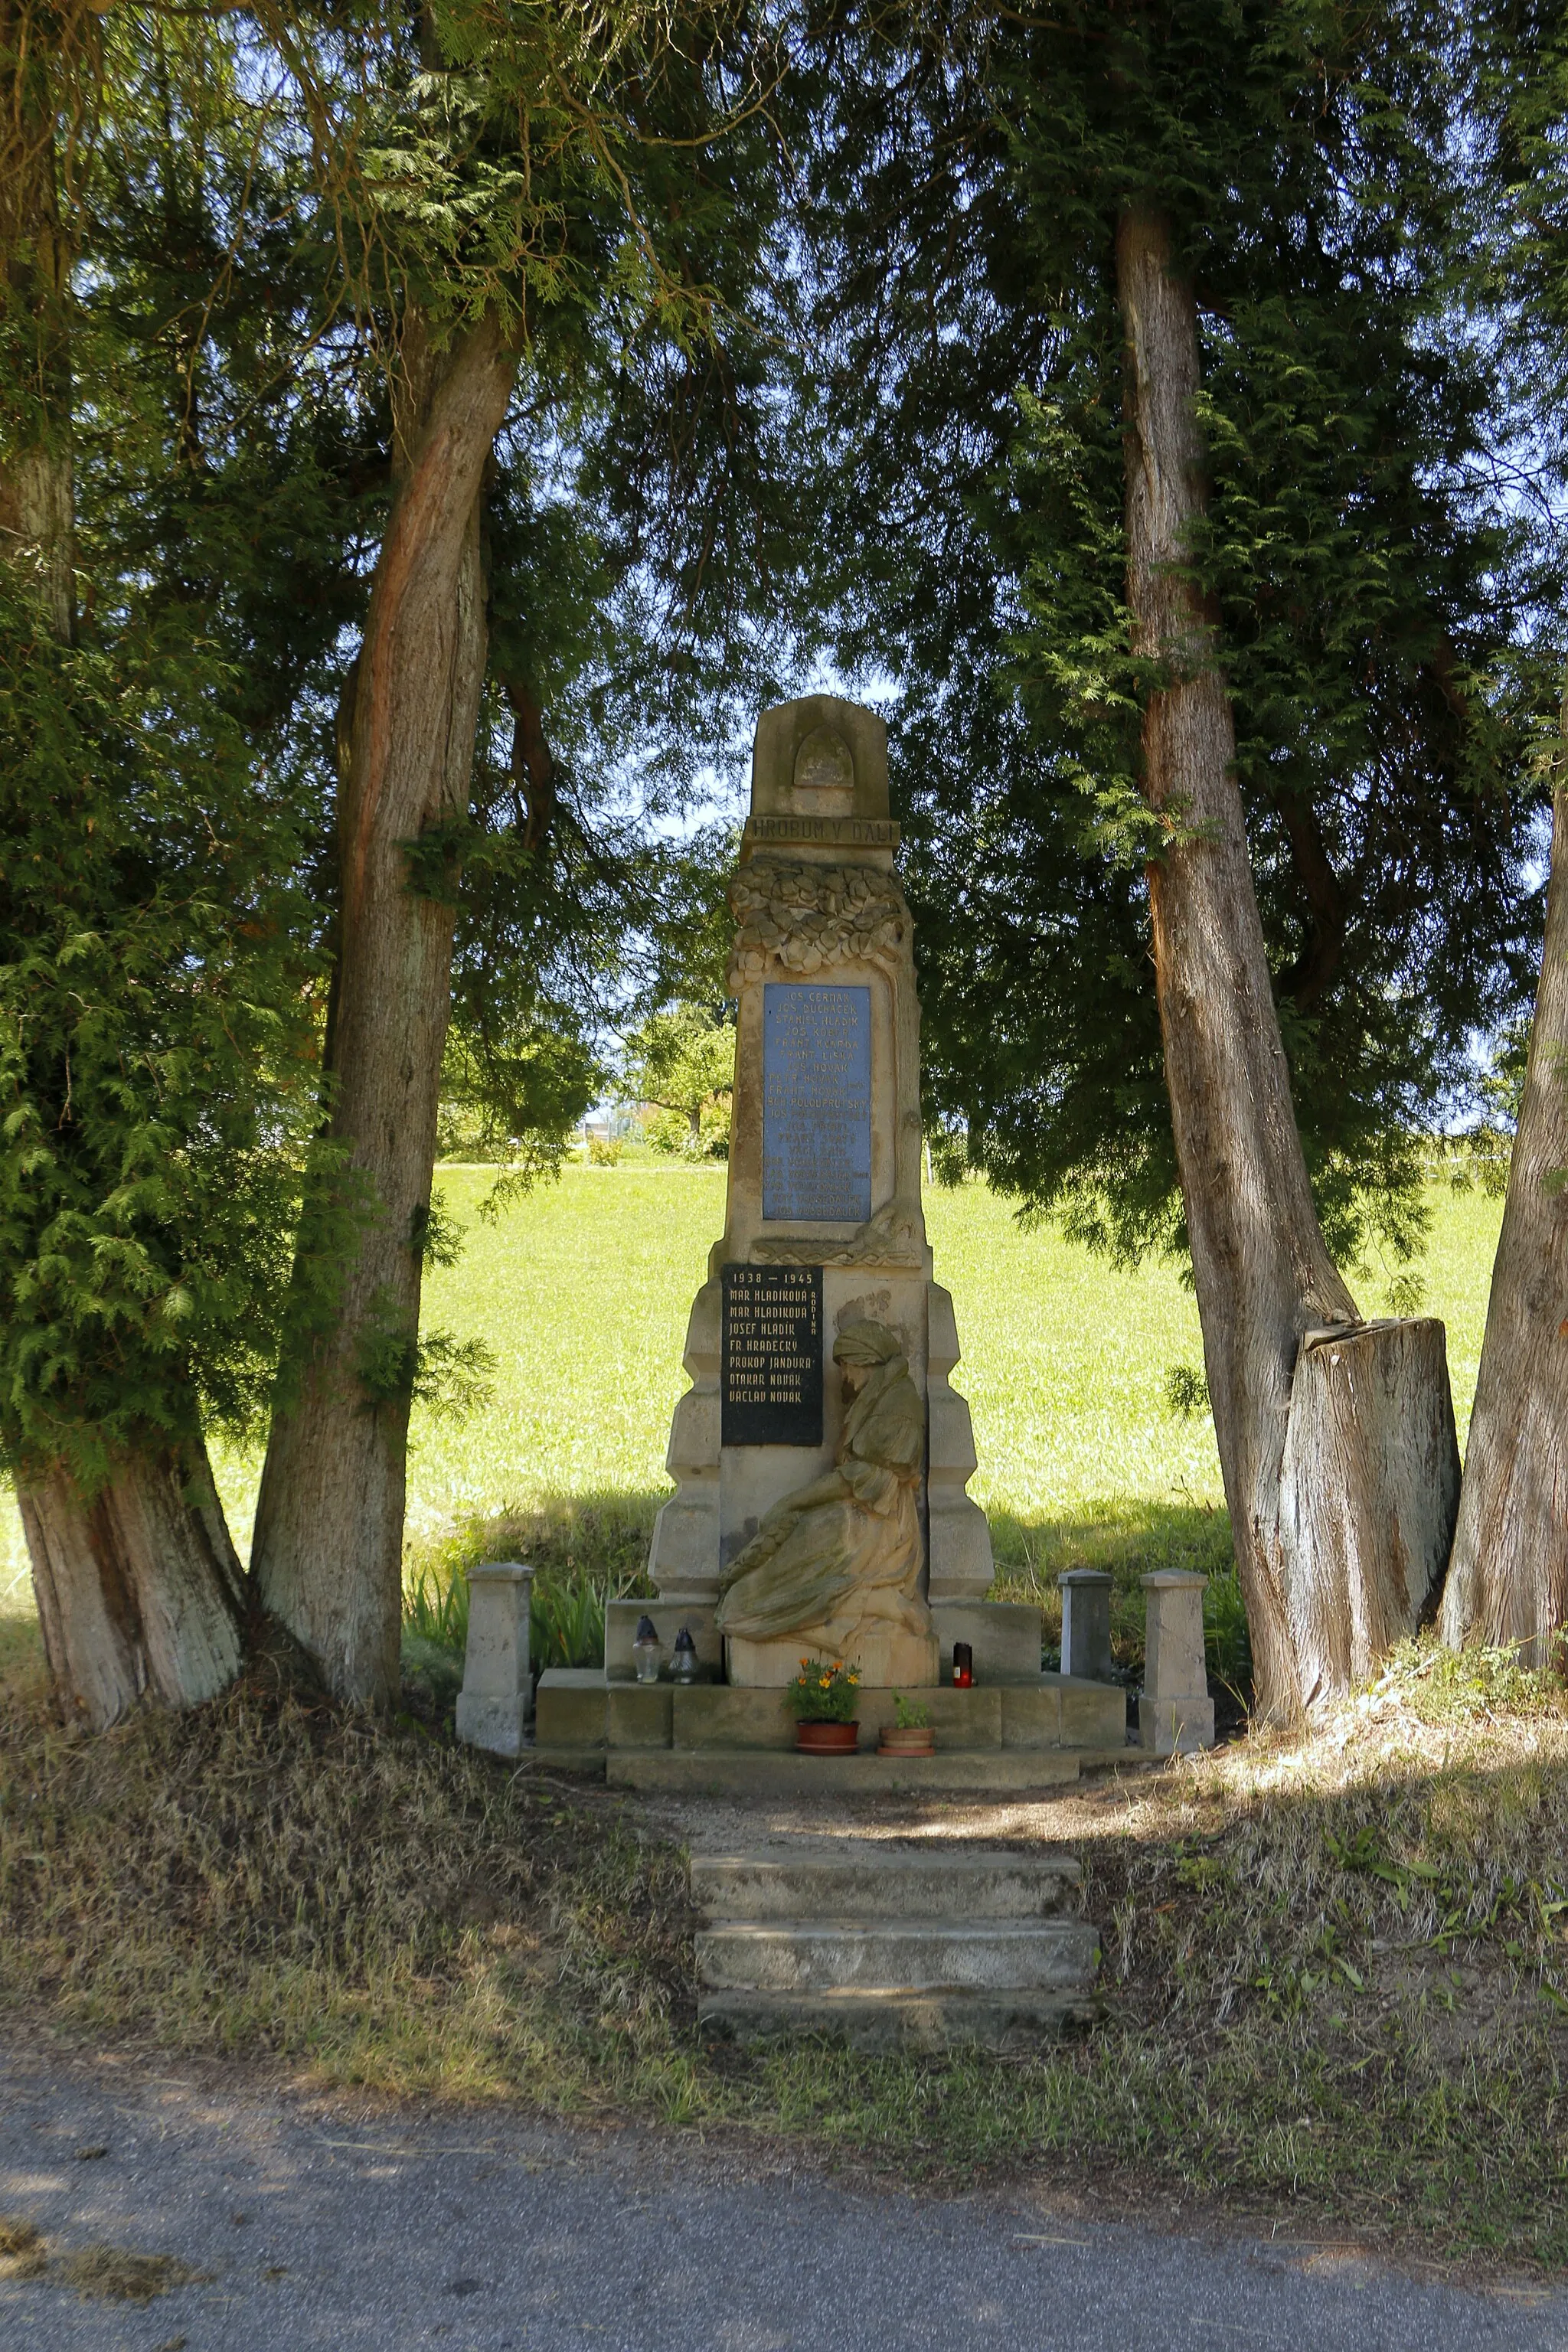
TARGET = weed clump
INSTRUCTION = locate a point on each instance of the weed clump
(22, 2255)
(118, 2274)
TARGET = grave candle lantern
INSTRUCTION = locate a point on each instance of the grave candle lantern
(683, 1666)
(963, 1665)
(645, 1651)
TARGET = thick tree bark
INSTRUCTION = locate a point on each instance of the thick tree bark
(140, 1593)
(329, 1525)
(37, 522)
(1509, 1579)
(1263, 1273)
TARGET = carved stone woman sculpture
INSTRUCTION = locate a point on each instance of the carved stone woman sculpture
(834, 1568)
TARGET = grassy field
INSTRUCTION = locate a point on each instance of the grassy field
(582, 1293)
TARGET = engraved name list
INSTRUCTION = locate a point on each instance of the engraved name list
(771, 1360)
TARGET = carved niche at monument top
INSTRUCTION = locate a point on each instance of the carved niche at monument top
(824, 1244)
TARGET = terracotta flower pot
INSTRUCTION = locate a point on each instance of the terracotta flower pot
(827, 1738)
(894, 1742)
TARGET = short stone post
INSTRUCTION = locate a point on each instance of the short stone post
(1175, 1713)
(493, 1704)
(1085, 1622)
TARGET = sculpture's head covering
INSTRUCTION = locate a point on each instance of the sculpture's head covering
(868, 1344)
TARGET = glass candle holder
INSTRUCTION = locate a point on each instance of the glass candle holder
(963, 1665)
(683, 1666)
(645, 1651)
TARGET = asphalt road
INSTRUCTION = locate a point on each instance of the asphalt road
(355, 2227)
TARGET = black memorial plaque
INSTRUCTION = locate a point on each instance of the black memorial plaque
(770, 1370)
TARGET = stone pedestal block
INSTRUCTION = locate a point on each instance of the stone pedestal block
(887, 1656)
(1003, 1635)
(1175, 1713)
(1085, 1622)
(959, 1538)
(493, 1704)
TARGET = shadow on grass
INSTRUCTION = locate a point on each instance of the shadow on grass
(583, 1548)
(1133, 1538)
(21, 1650)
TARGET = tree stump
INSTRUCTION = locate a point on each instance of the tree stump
(1369, 1493)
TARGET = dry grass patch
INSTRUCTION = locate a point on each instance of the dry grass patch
(22, 2255)
(118, 2274)
(270, 1878)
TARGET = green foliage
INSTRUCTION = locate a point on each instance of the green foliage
(1186, 1391)
(824, 1692)
(1385, 620)
(158, 1084)
(910, 1715)
(1228, 1644)
(565, 1622)
(681, 1062)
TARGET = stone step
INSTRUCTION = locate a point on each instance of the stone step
(817, 1878)
(757, 1772)
(1011, 2021)
(898, 1956)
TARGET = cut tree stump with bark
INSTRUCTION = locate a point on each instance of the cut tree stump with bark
(1508, 1580)
(1368, 1489)
(1262, 1271)
(140, 1593)
(328, 1550)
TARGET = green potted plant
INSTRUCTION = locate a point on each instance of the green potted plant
(910, 1734)
(823, 1699)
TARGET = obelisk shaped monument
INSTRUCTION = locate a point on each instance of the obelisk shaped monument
(820, 1455)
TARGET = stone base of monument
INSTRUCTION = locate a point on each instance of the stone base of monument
(1015, 1728)
(893, 1948)
(886, 1656)
(719, 1736)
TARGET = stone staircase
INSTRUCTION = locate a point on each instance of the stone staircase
(916, 1946)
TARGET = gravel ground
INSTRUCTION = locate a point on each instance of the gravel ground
(318, 2224)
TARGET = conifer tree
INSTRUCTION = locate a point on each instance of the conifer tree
(1507, 1580)
(528, 195)
(155, 994)
(1175, 545)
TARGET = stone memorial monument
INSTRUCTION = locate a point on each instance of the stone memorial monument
(820, 1455)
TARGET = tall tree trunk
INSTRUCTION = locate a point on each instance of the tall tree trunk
(329, 1525)
(140, 1593)
(35, 495)
(1508, 1580)
(1343, 1541)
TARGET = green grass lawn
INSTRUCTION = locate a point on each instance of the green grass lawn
(583, 1291)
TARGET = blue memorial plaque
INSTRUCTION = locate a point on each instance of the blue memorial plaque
(816, 1104)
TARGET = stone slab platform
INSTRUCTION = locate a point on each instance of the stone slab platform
(1015, 2021)
(581, 1708)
